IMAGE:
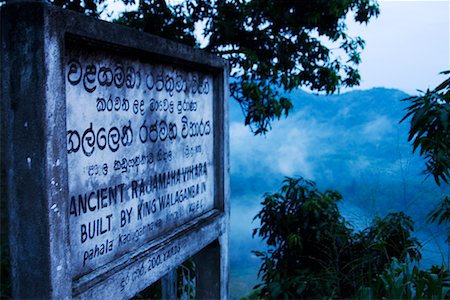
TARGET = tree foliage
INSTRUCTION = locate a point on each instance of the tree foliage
(173, 22)
(88, 7)
(430, 129)
(441, 214)
(273, 46)
(296, 224)
(276, 46)
(314, 253)
(430, 133)
(400, 280)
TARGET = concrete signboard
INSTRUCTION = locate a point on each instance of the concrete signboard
(140, 153)
(121, 138)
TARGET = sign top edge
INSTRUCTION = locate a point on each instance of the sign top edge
(116, 36)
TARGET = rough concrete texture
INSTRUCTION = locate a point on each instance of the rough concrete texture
(85, 219)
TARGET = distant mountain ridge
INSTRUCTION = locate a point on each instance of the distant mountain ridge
(358, 124)
(355, 99)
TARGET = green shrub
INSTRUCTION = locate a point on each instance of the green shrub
(314, 253)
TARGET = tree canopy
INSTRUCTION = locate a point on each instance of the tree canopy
(273, 46)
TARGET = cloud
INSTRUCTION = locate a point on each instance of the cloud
(293, 154)
(375, 129)
(291, 148)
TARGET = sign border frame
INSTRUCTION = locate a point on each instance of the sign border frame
(34, 113)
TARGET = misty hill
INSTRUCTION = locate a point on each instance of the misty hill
(352, 143)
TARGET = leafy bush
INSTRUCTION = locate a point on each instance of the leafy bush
(307, 236)
(402, 281)
(314, 253)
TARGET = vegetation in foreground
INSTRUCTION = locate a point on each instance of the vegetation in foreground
(314, 253)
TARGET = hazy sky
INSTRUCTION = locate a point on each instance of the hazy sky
(407, 46)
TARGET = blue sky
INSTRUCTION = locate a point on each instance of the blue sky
(407, 46)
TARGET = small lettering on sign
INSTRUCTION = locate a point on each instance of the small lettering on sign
(140, 140)
(156, 260)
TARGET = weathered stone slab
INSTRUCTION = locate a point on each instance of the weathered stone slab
(140, 141)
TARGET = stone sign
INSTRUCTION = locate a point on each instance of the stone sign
(140, 152)
(116, 154)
